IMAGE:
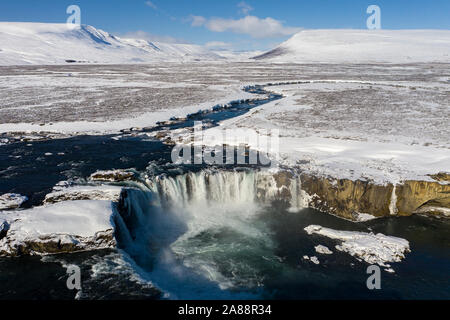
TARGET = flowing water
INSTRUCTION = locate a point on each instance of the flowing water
(196, 232)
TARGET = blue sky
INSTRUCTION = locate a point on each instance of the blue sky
(249, 24)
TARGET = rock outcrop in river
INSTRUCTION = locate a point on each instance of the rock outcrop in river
(58, 228)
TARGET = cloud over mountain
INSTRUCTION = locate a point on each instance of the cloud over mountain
(253, 26)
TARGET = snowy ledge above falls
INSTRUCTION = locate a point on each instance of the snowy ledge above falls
(72, 218)
(62, 227)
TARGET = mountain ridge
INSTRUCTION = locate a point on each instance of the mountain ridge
(24, 43)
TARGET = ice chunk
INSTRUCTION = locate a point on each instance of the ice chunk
(315, 260)
(323, 250)
(362, 217)
(372, 248)
(11, 201)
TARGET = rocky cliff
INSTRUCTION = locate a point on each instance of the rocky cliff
(347, 198)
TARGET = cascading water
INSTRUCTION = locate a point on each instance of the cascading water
(235, 187)
(203, 231)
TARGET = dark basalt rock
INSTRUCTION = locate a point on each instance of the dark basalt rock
(113, 176)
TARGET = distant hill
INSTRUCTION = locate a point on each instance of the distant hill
(44, 43)
(363, 46)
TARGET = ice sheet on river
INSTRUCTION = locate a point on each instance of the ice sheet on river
(372, 248)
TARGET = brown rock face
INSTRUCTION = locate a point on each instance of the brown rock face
(415, 195)
(345, 198)
(52, 244)
(283, 178)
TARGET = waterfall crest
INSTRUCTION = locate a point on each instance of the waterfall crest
(238, 187)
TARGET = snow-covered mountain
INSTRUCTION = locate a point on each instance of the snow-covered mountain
(45, 43)
(363, 46)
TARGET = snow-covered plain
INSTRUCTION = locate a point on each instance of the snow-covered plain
(70, 99)
(363, 46)
(385, 130)
(382, 122)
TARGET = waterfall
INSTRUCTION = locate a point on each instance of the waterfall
(393, 204)
(299, 198)
(169, 208)
(235, 187)
(204, 226)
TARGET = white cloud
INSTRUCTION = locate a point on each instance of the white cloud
(151, 5)
(197, 21)
(151, 37)
(244, 8)
(251, 25)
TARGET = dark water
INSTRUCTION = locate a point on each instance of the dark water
(219, 112)
(33, 174)
(422, 275)
(260, 257)
(282, 272)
